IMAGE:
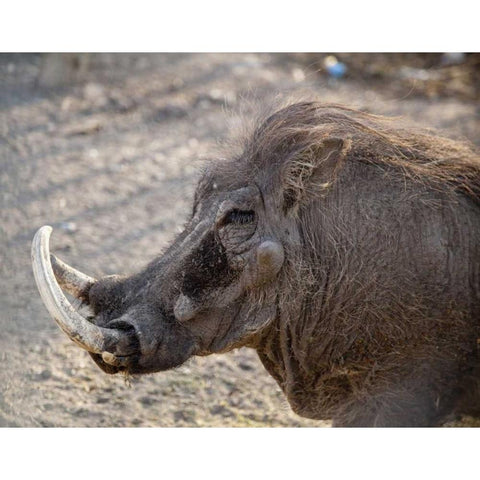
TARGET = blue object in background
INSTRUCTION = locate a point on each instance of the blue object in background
(334, 68)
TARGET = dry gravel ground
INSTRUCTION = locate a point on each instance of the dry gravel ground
(111, 164)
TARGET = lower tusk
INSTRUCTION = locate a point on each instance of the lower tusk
(71, 280)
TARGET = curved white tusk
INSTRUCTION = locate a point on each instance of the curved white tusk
(87, 335)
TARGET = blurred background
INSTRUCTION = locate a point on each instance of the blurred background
(106, 149)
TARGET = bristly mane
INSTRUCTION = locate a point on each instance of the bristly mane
(423, 155)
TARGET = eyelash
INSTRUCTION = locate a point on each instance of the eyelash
(239, 217)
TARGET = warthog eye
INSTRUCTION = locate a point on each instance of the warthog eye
(239, 217)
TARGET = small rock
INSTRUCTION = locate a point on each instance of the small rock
(86, 127)
(92, 153)
(221, 410)
(66, 247)
(122, 103)
(176, 84)
(184, 415)
(45, 374)
(81, 412)
(95, 93)
(245, 366)
(67, 103)
(221, 97)
(215, 97)
(147, 401)
(169, 112)
(193, 143)
(298, 75)
(69, 227)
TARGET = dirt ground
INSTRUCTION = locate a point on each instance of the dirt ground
(110, 161)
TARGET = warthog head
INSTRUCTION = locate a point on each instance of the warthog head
(216, 286)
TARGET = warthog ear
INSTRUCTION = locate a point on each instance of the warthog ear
(312, 170)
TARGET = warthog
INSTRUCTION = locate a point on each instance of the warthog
(343, 250)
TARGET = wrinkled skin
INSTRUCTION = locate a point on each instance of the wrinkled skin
(352, 274)
(191, 301)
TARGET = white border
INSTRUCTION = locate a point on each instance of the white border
(239, 453)
(246, 25)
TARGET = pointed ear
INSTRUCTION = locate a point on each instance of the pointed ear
(312, 170)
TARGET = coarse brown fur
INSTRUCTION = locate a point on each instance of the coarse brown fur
(373, 318)
(380, 301)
